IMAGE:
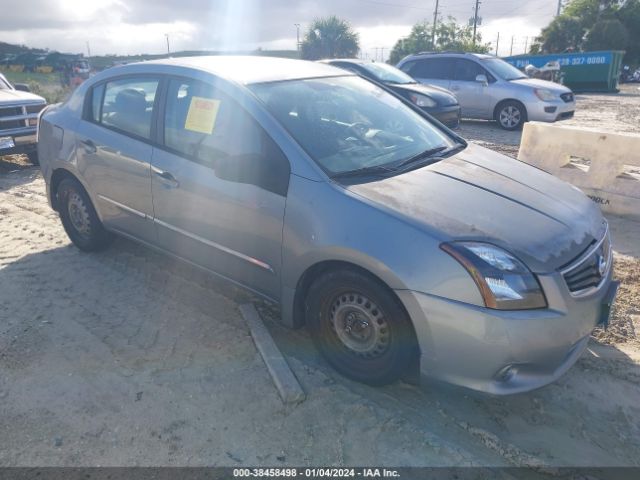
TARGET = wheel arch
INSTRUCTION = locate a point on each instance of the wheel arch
(57, 176)
(314, 272)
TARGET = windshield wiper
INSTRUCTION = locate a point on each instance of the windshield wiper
(374, 169)
(432, 154)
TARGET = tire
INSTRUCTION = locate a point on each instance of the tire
(79, 217)
(359, 327)
(33, 158)
(511, 115)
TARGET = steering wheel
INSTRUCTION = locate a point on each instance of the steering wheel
(360, 129)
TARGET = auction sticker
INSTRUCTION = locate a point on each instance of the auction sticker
(202, 115)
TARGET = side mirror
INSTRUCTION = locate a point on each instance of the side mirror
(482, 78)
(23, 87)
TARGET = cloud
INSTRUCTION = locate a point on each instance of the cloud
(137, 26)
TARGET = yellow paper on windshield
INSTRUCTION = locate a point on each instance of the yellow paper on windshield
(202, 115)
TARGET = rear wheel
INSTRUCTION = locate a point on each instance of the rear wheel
(79, 217)
(358, 326)
(511, 115)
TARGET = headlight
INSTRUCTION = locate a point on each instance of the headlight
(422, 101)
(545, 95)
(505, 283)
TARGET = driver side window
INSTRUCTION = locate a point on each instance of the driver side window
(205, 125)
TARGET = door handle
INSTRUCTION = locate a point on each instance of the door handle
(167, 177)
(89, 146)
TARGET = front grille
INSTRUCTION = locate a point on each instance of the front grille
(565, 115)
(567, 97)
(35, 108)
(10, 112)
(589, 270)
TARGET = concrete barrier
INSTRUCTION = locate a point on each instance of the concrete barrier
(606, 166)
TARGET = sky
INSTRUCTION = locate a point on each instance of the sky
(131, 27)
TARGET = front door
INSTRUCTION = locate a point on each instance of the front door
(471, 94)
(219, 187)
(114, 153)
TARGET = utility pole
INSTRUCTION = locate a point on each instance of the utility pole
(526, 44)
(435, 23)
(511, 51)
(497, 43)
(475, 20)
(382, 54)
(168, 50)
(297, 25)
(559, 8)
(88, 50)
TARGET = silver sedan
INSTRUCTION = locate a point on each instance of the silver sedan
(400, 246)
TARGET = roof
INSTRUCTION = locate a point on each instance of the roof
(253, 69)
(357, 61)
(452, 53)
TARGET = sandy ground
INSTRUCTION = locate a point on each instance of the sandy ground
(129, 358)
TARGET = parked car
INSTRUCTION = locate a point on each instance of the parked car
(398, 247)
(19, 110)
(489, 88)
(437, 102)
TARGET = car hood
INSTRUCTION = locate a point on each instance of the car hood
(537, 83)
(440, 95)
(484, 196)
(18, 96)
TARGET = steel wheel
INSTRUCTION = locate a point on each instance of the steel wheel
(78, 214)
(79, 217)
(360, 325)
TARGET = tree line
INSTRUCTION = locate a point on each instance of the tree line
(584, 25)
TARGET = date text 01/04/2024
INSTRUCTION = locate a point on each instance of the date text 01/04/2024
(315, 473)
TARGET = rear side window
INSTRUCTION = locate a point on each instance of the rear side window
(437, 68)
(207, 126)
(467, 71)
(125, 105)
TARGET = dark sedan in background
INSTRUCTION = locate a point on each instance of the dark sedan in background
(436, 101)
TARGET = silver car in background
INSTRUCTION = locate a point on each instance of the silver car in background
(402, 248)
(489, 88)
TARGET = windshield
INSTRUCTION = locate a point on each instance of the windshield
(502, 69)
(388, 74)
(347, 123)
(4, 85)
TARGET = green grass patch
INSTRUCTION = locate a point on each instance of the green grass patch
(48, 79)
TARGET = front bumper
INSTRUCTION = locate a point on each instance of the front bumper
(21, 144)
(504, 352)
(550, 111)
(448, 115)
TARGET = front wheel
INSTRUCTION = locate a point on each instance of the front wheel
(80, 219)
(511, 115)
(359, 327)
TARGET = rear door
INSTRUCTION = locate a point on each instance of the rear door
(436, 71)
(219, 186)
(472, 95)
(114, 152)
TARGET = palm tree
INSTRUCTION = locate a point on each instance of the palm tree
(330, 37)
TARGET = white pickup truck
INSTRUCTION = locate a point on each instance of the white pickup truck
(19, 111)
